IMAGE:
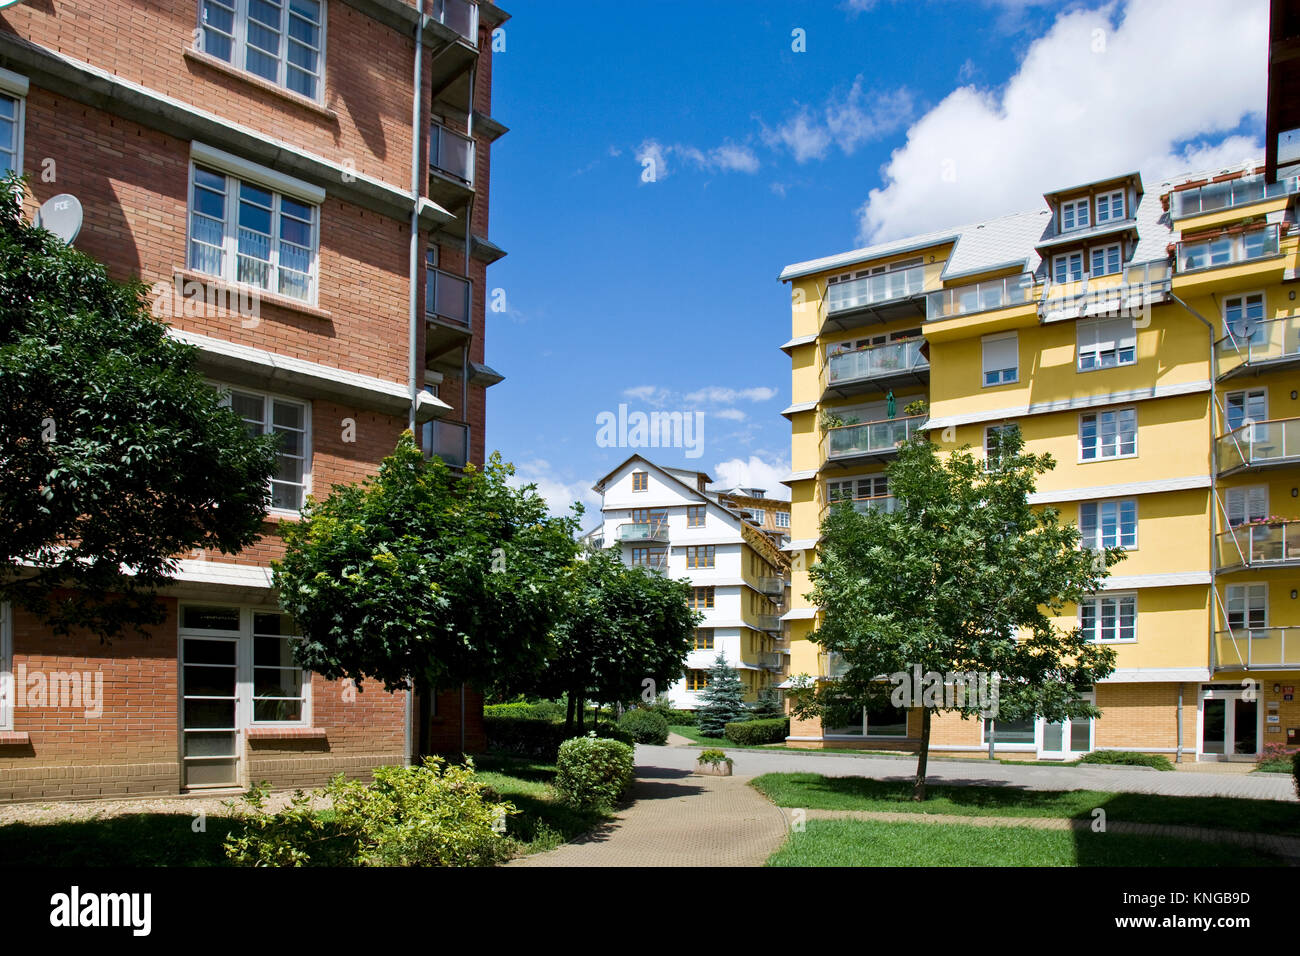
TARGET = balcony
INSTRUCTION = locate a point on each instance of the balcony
(882, 297)
(772, 586)
(1260, 347)
(456, 23)
(1256, 648)
(447, 300)
(1259, 446)
(448, 440)
(1213, 197)
(877, 368)
(643, 531)
(1228, 250)
(451, 164)
(1129, 292)
(459, 16)
(1260, 544)
(771, 661)
(769, 622)
(886, 503)
(979, 297)
(868, 441)
(832, 665)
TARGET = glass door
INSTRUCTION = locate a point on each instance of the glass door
(210, 702)
(1066, 739)
(1229, 725)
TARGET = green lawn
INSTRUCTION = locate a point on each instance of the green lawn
(543, 823)
(869, 843)
(814, 791)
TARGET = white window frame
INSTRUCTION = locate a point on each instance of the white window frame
(1018, 747)
(1259, 333)
(1246, 394)
(1245, 590)
(268, 400)
(988, 431)
(1097, 539)
(781, 518)
(1119, 331)
(7, 686)
(1106, 201)
(996, 340)
(874, 481)
(1097, 602)
(760, 515)
(1105, 252)
(1070, 275)
(15, 86)
(1100, 447)
(235, 173)
(1075, 206)
(239, 45)
(1243, 494)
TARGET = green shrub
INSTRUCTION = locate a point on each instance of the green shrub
(525, 736)
(645, 726)
(753, 733)
(714, 757)
(524, 710)
(1295, 771)
(1275, 758)
(663, 705)
(1126, 759)
(593, 773)
(430, 815)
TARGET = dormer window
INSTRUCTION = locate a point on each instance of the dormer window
(1067, 267)
(1074, 215)
(1110, 207)
(1105, 260)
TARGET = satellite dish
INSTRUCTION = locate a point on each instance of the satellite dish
(61, 215)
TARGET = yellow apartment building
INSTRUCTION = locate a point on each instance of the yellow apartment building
(1150, 341)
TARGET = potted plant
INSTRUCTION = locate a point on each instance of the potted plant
(714, 763)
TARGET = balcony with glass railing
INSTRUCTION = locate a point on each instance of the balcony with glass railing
(882, 297)
(447, 297)
(1256, 648)
(1213, 197)
(831, 664)
(1255, 346)
(773, 586)
(643, 531)
(882, 503)
(1136, 286)
(875, 368)
(769, 622)
(448, 440)
(979, 297)
(1271, 543)
(869, 440)
(1259, 445)
(1229, 250)
(460, 16)
(451, 155)
(771, 661)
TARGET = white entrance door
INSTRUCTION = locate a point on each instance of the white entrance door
(1229, 725)
(1065, 739)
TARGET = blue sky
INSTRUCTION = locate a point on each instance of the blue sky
(899, 116)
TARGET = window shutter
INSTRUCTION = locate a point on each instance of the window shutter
(1000, 353)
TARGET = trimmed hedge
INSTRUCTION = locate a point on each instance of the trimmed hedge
(1125, 759)
(593, 773)
(683, 718)
(537, 710)
(753, 733)
(645, 726)
(537, 738)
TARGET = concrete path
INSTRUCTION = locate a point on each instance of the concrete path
(679, 820)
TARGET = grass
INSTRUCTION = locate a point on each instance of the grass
(693, 734)
(870, 843)
(814, 791)
(543, 823)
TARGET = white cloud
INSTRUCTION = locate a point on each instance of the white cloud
(729, 157)
(847, 120)
(1095, 95)
(559, 493)
(753, 472)
(731, 414)
(726, 396)
(642, 393)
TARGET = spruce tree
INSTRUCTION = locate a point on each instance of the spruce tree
(724, 699)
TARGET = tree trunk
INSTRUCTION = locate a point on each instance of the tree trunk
(568, 717)
(582, 716)
(918, 789)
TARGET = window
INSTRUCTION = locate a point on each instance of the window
(700, 556)
(782, 518)
(265, 414)
(1110, 617)
(11, 134)
(1105, 260)
(701, 598)
(1074, 215)
(1106, 343)
(1108, 434)
(759, 515)
(1110, 206)
(872, 486)
(697, 680)
(1108, 524)
(640, 481)
(994, 438)
(703, 639)
(1245, 408)
(282, 41)
(695, 516)
(1009, 731)
(242, 232)
(1001, 359)
(279, 685)
(1067, 267)
(649, 557)
(874, 720)
(655, 517)
(1243, 319)
(7, 689)
(1246, 504)
(1247, 606)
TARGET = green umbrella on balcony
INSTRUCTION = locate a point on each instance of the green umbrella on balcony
(891, 406)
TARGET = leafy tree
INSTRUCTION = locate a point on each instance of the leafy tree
(620, 627)
(114, 452)
(963, 576)
(422, 575)
(724, 699)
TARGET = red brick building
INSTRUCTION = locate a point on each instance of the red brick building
(253, 160)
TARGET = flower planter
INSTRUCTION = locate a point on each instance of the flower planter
(714, 770)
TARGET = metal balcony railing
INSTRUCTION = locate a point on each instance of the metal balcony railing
(1259, 444)
(1114, 293)
(1247, 648)
(451, 153)
(447, 297)
(869, 438)
(875, 361)
(1234, 192)
(979, 297)
(1255, 343)
(458, 15)
(448, 440)
(1260, 543)
(1228, 250)
(643, 531)
(872, 290)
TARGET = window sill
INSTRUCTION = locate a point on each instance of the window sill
(285, 733)
(180, 276)
(277, 517)
(297, 99)
(1093, 461)
(1105, 368)
(14, 738)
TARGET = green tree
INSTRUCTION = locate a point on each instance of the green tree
(114, 452)
(963, 576)
(724, 699)
(424, 575)
(620, 627)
